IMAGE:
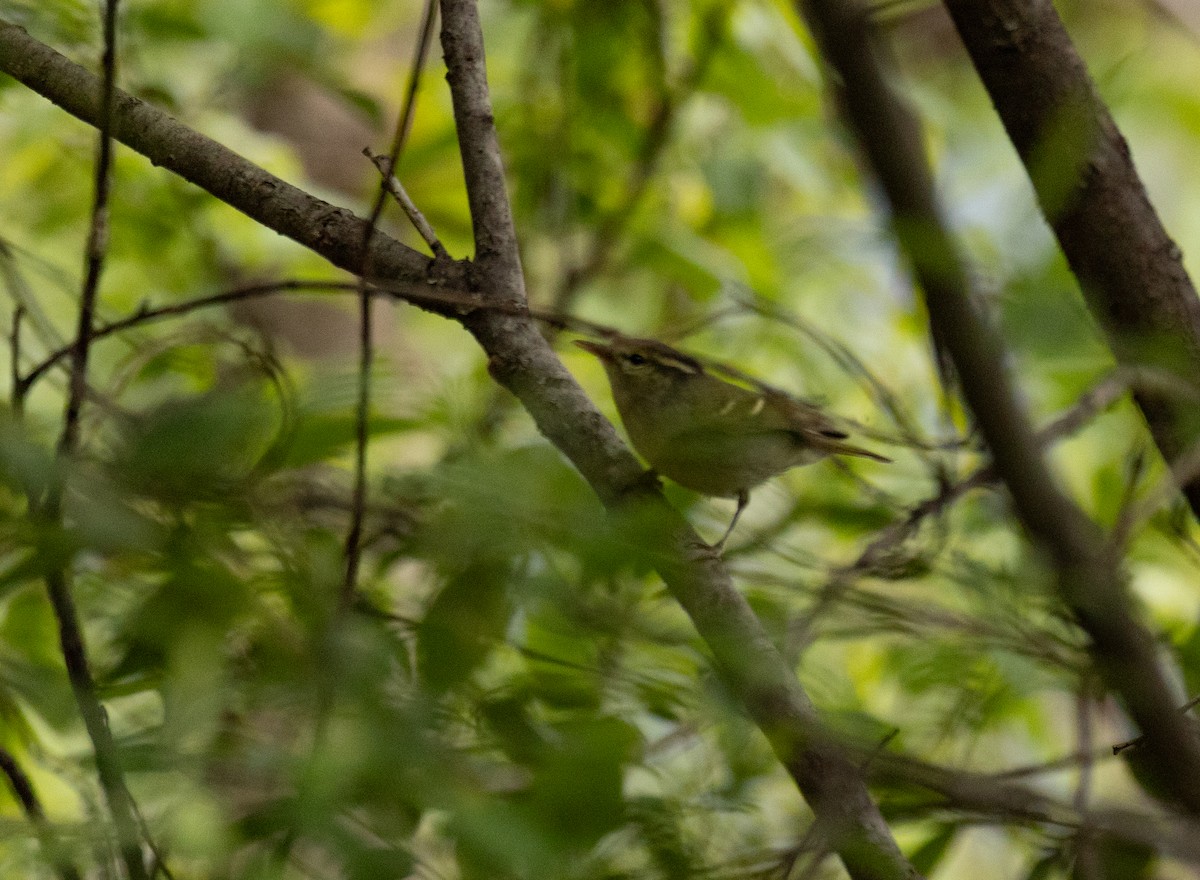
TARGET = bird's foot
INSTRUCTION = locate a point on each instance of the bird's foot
(701, 552)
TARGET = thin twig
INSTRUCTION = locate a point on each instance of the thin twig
(145, 314)
(97, 241)
(353, 546)
(158, 864)
(881, 548)
(1091, 403)
(1181, 473)
(452, 301)
(1083, 720)
(1127, 508)
(1139, 740)
(400, 194)
(847, 361)
(108, 765)
(14, 348)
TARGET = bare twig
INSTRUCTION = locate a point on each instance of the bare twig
(1086, 745)
(1134, 513)
(847, 361)
(998, 798)
(1139, 740)
(97, 242)
(400, 194)
(353, 546)
(881, 549)
(108, 764)
(443, 301)
(348, 595)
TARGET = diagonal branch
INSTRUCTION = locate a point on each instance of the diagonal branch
(334, 233)
(1089, 581)
(520, 359)
(1129, 269)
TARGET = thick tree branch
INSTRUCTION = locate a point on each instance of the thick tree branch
(1005, 800)
(1089, 582)
(335, 233)
(522, 361)
(1130, 270)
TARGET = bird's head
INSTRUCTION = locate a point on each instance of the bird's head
(643, 366)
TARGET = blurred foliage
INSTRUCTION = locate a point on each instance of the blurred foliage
(512, 693)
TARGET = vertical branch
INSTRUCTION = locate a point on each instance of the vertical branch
(352, 549)
(353, 546)
(496, 250)
(108, 766)
(97, 241)
(1089, 582)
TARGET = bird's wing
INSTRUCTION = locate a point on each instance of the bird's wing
(814, 427)
(737, 412)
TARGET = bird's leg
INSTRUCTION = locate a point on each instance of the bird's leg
(743, 498)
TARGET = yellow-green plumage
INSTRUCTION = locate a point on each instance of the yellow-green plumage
(707, 434)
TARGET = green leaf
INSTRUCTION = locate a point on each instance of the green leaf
(1116, 859)
(577, 789)
(201, 447)
(466, 621)
(321, 436)
(929, 854)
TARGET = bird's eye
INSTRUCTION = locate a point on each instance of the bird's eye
(636, 359)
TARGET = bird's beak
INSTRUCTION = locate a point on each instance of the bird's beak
(604, 352)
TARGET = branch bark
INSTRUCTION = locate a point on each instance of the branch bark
(1088, 581)
(335, 233)
(1129, 269)
(522, 361)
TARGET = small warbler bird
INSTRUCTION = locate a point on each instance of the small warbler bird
(706, 434)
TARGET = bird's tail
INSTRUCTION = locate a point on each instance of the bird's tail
(831, 442)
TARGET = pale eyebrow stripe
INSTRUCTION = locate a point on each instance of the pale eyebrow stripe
(681, 365)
